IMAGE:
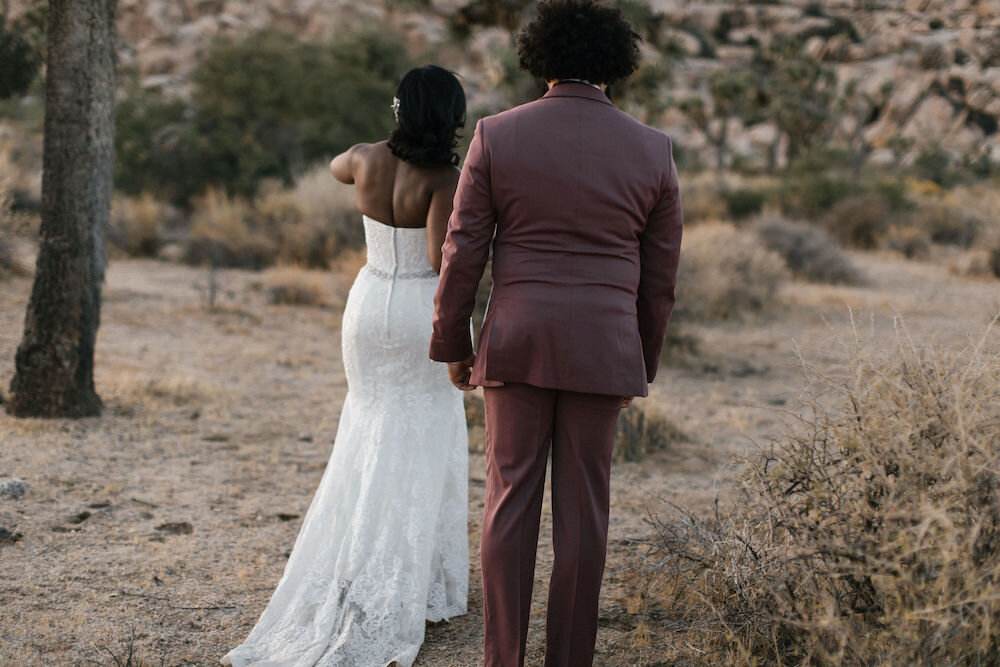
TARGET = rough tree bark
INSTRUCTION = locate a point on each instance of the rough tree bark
(54, 374)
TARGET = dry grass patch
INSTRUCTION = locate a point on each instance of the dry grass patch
(292, 286)
(11, 224)
(640, 433)
(703, 200)
(138, 224)
(21, 166)
(869, 533)
(221, 235)
(860, 221)
(130, 391)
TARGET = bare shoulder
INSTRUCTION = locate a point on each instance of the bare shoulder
(445, 177)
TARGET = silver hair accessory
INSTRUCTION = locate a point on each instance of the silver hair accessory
(395, 108)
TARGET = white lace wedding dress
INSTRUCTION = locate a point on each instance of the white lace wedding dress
(384, 545)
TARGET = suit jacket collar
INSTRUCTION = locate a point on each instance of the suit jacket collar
(574, 89)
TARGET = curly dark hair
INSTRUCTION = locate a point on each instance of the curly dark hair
(578, 39)
(430, 109)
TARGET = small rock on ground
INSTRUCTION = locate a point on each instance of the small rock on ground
(13, 487)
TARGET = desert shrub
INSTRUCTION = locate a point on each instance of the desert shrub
(703, 201)
(21, 170)
(640, 433)
(221, 236)
(680, 343)
(726, 273)
(893, 192)
(868, 533)
(988, 245)
(9, 263)
(11, 223)
(809, 251)
(138, 224)
(945, 224)
(813, 195)
(911, 242)
(934, 164)
(976, 263)
(330, 206)
(743, 203)
(310, 223)
(859, 221)
(293, 286)
(261, 107)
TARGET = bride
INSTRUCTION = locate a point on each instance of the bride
(384, 545)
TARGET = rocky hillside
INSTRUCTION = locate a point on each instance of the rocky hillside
(928, 71)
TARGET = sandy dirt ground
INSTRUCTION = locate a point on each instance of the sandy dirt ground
(172, 515)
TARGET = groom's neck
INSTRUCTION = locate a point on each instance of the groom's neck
(602, 86)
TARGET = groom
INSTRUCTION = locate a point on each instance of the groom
(581, 205)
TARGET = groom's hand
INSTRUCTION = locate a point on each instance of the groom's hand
(460, 372)
(626, 401)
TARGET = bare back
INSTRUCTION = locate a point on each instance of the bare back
(399, 194)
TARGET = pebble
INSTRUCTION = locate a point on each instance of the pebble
(13, 487)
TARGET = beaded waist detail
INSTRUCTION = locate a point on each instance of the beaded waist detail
(404, 275)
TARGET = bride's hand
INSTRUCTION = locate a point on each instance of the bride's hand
(626, 401)
(460, 372)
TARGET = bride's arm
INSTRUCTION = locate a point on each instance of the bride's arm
(442, 200)
(342, 166)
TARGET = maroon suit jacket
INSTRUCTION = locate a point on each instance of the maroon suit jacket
(581, 204)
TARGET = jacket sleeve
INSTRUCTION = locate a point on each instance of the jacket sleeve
(464, 255)
(659, 253)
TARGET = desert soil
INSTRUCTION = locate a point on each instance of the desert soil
(172, 515)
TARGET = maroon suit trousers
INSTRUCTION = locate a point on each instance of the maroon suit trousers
(522, 423)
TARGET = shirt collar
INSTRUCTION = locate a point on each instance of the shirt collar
(574, 89)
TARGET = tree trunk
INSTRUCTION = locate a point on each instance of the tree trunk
(54, 374)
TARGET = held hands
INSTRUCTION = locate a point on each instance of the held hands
(626, 401)
(460, 372)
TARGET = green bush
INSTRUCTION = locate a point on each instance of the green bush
(262, 107)
(934, 164)
(743, 203)
(19, 62)
(812, 195)
(893, 191)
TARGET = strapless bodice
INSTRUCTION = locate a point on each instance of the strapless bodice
(397, 252)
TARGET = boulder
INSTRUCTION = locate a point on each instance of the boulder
(882, 157)
(906, 94)
(963, 137)
(933, 119)
(980, 97)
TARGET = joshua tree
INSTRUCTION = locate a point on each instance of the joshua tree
(55, 360)
(858, 106)
(732, 93)
(798, 91)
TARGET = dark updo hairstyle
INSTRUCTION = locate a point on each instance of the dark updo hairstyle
(430, 108)
(578, 39)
